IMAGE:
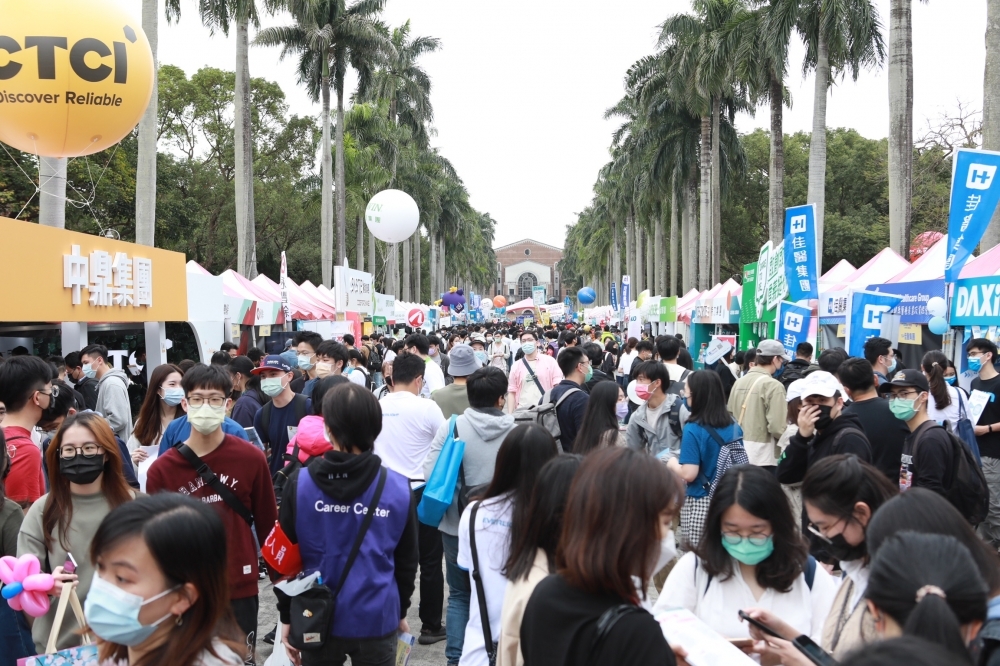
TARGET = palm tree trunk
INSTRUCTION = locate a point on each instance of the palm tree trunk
(246, 233)
(616, 257)
(433, 261)
(716, 192)
(629, 248)
(900, 125)
(674, 223)
(361, 242)
(705, 219)
(397, 287)
(341, 187)
(407, 267)
(372, 267)
(638, 278)
(52, 196)
(817, 145)
(691, 250)
(776, 172)
(659, 256)
(444, 286)
(991, 103)
(326, 207)
(651, 244)
(417, 269)
(145, 172)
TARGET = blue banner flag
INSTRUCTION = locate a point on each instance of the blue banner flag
(864, 317)
(626, 291)
(614, 296)
(975, 191)
(801, 257)
(792, 322)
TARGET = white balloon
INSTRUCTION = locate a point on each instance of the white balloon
(486, 304)
(392, 216)
(937, 307)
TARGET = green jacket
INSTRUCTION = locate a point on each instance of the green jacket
(763, 421)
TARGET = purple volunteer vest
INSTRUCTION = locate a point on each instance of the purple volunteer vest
(368, 604)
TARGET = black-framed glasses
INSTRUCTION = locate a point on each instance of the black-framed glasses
(756, 539)
(819, 533)
(905, 395)
(88, 450)
(198, 401)
(53, 392)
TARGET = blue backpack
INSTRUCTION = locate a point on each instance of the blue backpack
(439, 492)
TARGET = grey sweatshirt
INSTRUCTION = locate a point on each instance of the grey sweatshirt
(113, 403)
(483, 431)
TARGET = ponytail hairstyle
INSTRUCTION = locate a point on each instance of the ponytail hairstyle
(934, 364)
(930, 585)
(835, 484)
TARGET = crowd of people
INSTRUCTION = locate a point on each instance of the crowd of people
(842, 509)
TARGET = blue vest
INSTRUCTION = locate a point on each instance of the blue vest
(368, 604)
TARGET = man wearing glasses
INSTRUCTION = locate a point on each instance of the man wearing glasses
(233, 478)
(932, 464)
(27, 392)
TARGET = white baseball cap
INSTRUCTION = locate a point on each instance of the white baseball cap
(819, 383)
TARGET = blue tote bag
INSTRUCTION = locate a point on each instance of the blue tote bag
(439, 492)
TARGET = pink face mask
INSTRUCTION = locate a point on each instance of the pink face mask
(642, 391)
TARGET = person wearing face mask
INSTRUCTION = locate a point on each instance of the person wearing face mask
(841, 495)
(878, 351)
(531, 376)
(276, 422)
(306, 345)
(245, 498)
(161, 406)
(437, 354)
(26, 391)
(750, 556)
(498, 350)
(708, 428)
(417, 343)
(250, 398)
(596, 356)
(757, 401)
(112, 389)
(616, 534)
(569, 396)
(947, 402)
(85, 484)
(332, 358)
(87, 387)
(928, 459)
(825, 429)
(159, 593)
(885, 432)
(981, 357)
(649, 428)
(478, 344)
(600, 427)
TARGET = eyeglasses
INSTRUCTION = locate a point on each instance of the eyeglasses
(53, 391)
(755, 539)
(89, 450)
(198, 401)
(901, 394)
(819, 533)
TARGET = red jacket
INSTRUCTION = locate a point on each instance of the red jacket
(26, 481)
(243, 468)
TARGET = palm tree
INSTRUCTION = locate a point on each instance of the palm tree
(145, 173)
(407, 87)
(841, 37)
(991, 102)
(220, 15)
(329, 37)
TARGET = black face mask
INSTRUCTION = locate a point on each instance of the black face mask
(842, 551)
(81, 470)
(824, 420)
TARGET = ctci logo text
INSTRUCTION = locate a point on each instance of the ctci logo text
(45, 52)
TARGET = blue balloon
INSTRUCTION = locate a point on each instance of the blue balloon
(586, 295)
(938, 325)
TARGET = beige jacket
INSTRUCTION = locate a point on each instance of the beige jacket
(763, 421)
(847, 628)
(514, 601)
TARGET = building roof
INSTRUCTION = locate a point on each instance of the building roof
(526, 240)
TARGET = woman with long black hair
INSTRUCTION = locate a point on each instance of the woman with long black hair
(601, 421)
(485, 528)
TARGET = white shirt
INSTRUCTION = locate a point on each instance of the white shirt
(433, 379)
(409, 424)
(858, 572)
(492, 544)
(357, 375)
(675, 371)
(625, 363)
(951, 413)
(802, 608)
(389, 357)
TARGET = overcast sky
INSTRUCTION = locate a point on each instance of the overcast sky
(520, 88)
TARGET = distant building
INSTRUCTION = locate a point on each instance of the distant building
(526, 264)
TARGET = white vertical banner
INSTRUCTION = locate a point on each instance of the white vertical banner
(284, 292)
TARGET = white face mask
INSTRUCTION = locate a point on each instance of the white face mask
(668, 551)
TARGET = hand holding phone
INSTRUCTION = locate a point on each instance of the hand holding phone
(760, 625)
(815, 653)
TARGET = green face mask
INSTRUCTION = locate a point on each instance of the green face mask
(590, 373)
(747, 552)
(902, 408)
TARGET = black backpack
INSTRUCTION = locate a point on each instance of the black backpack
(281, 477)
(674, 412)
(374, 360)
(969, 492)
